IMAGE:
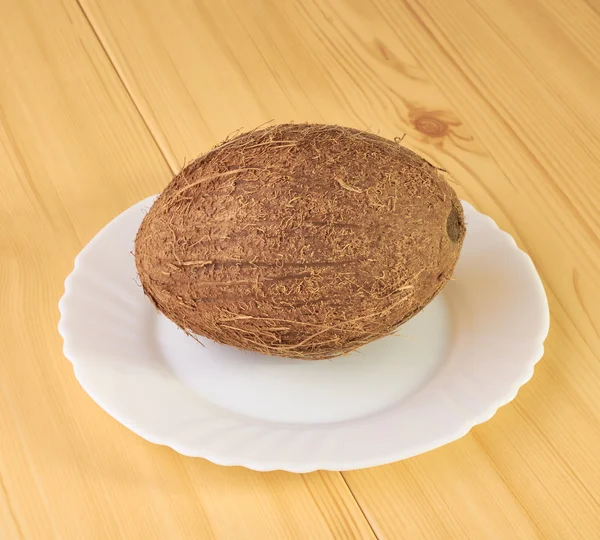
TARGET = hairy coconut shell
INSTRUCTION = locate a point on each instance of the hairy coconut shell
(302, 241)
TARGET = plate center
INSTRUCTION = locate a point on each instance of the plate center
(294, 391)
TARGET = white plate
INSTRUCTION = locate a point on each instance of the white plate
(447, 370)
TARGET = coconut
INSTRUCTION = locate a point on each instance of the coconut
(300, 240)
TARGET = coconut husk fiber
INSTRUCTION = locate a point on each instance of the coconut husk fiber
(300, 240)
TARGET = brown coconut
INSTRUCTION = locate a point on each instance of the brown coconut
(303, 241)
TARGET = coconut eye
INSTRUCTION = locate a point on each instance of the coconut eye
(454, 225)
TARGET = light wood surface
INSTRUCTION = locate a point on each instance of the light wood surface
(102, 100)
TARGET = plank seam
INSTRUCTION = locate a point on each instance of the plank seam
(362, 511)
(153, 130)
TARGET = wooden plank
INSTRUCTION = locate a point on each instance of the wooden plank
(503, 95)
(525, 93)
(74, 152)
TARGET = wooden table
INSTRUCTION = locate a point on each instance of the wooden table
(101, 101)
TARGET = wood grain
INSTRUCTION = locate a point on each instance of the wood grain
(99, 105)
(507, 114)
(74, 151)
